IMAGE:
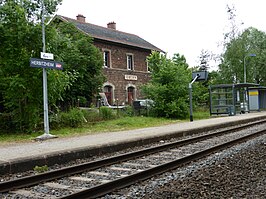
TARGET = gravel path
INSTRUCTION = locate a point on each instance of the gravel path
(239, 172)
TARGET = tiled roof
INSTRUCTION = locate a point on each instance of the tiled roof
(111, 35)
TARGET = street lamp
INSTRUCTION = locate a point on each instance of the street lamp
(245, 106)
(245, 71)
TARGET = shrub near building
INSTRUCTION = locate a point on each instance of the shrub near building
(168, 87)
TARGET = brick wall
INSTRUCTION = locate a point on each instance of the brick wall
(119, 77)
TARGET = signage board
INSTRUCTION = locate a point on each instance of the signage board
(202, 75)
(131, 77)
(41, 63)
(253, 93)
(47, 56)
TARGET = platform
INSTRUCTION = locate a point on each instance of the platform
(16, 157)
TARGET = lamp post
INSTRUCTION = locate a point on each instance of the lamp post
(245, 106)
(245, 70)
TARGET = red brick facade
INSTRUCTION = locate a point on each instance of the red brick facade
(119, 78)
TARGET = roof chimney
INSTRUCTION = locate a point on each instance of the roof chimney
(81, 18)
(111, 25)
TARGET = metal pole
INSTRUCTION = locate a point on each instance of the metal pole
(245, 89)
(245, 70)
(245, 73)
(45, 94)
(46, 134)
(190, 98)
(245, 81)
(190, 102)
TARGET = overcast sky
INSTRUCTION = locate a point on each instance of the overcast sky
(175, 26)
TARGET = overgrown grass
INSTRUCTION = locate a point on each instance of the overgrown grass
(201, 114)
(120, 124)
(125, 123)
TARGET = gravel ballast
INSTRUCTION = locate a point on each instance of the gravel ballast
(238, 172)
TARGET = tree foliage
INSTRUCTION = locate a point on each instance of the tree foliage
(204, 59)
(21, 95)
(238, 51)
(81, 57)
(169, 85)
(19, 41)
(238, 46)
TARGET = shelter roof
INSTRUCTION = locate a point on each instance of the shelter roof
(239, 85)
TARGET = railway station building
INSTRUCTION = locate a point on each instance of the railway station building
(125, 59)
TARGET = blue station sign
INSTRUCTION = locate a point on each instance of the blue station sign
(41, 63)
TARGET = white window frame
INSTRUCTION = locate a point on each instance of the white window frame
(130, 67)
(109, 57)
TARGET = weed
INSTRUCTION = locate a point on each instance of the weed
(41, 169)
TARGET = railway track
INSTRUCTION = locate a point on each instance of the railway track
(94, 179)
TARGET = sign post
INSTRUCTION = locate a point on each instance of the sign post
(47, 56)
(46, 134)
(42, 63)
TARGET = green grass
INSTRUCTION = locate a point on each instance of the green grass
(17, 137)
(199, 115)
(121, 124)
(126, 123)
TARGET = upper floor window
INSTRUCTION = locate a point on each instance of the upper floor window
(106, 58)
(148, 67)
(130, 62)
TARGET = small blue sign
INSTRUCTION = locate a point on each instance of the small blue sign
(41, 63)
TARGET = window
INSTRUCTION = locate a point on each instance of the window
(130, 63)
(108, 90)
(130, 95)
(106, 59)
(148, 67)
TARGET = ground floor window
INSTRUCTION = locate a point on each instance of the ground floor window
(108, 93)
(130, 95)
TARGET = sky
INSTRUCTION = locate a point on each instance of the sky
(176, 26)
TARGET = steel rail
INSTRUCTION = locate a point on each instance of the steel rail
(55, 174)
(109, 187)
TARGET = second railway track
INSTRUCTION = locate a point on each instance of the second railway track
(97, 178)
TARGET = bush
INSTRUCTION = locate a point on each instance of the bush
(92, 115)
(106, 113)
(6, 122)
(55, 121)
(127, 111)
(82, 101)
(168, 85)
(73, 118)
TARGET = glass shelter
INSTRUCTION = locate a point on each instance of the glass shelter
(234, 98)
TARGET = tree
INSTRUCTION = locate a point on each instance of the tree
(169, 85)
(238, 45)
(204, 59)
(82, 58)
(21, 86)
(234, 31)
(251, 41)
